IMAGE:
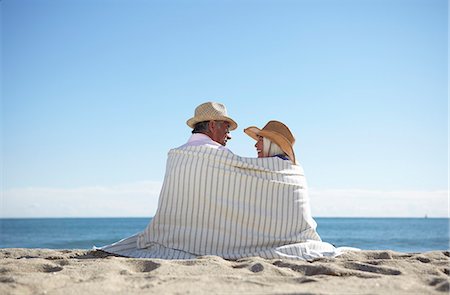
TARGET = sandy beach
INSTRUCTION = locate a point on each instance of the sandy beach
(44, 271)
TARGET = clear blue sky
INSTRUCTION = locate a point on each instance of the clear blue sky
(94, 93)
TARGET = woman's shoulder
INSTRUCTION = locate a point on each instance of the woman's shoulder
(283, 157)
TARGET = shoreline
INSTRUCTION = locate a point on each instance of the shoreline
(48, 271)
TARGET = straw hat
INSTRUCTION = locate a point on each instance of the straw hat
(278, 133)
(211, 111)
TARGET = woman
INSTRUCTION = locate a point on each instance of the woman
(274, 140)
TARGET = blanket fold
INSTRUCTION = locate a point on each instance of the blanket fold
(216, 203)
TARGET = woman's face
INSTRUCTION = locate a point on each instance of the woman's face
(260, 147)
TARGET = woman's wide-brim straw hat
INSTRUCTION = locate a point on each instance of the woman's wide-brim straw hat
(278, 133)
(211, 111)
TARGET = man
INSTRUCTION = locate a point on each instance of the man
(211, 126)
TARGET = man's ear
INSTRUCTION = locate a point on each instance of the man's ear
(211, 126)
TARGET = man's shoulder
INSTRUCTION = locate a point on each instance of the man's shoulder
(205, 145)
(198, 139)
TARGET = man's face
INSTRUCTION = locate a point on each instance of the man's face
(220, 131)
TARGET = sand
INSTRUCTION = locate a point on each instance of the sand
(44, 271)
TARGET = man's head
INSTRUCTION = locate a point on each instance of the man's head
(219, 131)
(211, 118)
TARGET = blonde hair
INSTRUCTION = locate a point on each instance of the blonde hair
(271, 149)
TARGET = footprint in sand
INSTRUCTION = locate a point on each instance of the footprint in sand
(443, 287)
(372, 268)
(7, 279)
(142, 266)
(441, 284)
(309, 270)
(257, 267)
(253, 267)
(50, 268)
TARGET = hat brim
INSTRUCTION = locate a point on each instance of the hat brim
(194, 120)
(277, 138)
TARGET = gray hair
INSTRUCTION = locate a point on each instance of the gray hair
(271, 149)
(201, 127)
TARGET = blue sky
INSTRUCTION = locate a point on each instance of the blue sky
(94, 94)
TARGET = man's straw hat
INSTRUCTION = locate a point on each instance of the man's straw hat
(278, 133)
(211, 111)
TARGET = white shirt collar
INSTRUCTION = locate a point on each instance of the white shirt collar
(202, 138)
(198, 139)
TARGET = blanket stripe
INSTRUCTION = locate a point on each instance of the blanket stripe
(216, 203)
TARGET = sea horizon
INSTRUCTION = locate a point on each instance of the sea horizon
(402, 234)
(140, 217)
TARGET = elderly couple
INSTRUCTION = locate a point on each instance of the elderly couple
(213, 202)
(211, 126)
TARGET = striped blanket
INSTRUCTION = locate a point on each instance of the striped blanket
(216, 203)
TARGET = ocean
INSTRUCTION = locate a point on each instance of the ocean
(398, 234)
